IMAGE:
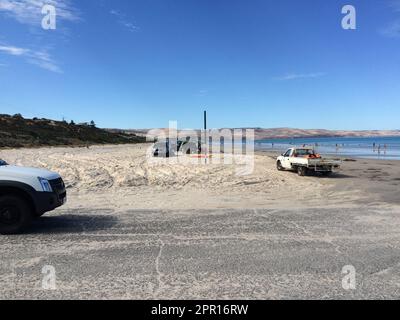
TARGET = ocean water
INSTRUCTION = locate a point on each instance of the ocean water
(387, 148)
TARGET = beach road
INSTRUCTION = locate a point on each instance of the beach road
(205, 254)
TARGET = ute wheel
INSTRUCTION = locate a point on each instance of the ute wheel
(302, 171)
(279, 166)
(15, 215)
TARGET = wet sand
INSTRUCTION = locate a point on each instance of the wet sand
(375, 181)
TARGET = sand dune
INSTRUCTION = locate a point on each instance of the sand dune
(104, 168)
(124, 177)
(111, 176)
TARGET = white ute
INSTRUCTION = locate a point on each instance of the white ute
(25, 194)
(305, 160)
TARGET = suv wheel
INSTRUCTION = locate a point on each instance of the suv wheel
(279, 166)
(15, 215)
(302, 171)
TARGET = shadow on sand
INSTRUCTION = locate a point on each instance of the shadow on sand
(335, 175)
(72, 223)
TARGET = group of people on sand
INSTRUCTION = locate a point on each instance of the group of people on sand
(378, 148)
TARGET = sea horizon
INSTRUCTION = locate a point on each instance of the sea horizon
(383, 148)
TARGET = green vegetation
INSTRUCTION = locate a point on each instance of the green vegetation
(17, 132)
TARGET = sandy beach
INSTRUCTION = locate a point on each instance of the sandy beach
(122, 176)
(134, 229)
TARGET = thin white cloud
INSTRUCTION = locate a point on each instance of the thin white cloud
(395, 5)
(115, 12)
(14, 51)
(296, 76)
(40, 58)
(122, 20)
(30, 11)
(202, 93)
(392, 29)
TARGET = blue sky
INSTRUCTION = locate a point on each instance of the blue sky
(257, 63)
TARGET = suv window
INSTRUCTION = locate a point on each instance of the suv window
(304, 152)
(287, 154)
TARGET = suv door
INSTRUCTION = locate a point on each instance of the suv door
(286, 159)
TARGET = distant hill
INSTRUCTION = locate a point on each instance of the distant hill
(16, 131)
(287, 133)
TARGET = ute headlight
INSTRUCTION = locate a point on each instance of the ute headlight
(45, 185)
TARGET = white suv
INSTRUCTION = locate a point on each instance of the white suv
(25, 194)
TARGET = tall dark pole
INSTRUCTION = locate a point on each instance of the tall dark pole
(205, 137)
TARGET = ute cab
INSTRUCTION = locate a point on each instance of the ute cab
(27, 193)
(305, 160)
